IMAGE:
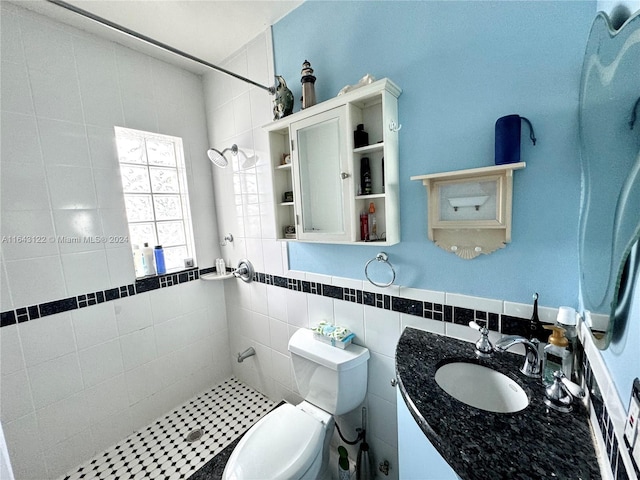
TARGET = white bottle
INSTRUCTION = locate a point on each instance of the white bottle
(149, 266)
(138, 262)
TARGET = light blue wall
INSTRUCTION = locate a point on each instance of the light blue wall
(461, 66)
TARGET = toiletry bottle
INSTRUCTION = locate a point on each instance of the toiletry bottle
(343, 464)
(364, 227)
(138, 262)
(158, 256)
(360, 137)
(567, 319)
(149, 266)
(365, 176)
(373, 227)
(556, 355)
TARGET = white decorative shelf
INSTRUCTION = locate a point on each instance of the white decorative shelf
(215, 276)
(469, 211)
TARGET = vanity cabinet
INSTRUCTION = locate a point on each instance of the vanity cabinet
(317, 191)
(417, 457)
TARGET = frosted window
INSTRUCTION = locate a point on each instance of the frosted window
(155, 193)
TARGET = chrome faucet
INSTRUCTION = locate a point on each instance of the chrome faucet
(531, 367)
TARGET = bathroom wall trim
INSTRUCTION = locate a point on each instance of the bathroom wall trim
(505, 324)
(141, 285)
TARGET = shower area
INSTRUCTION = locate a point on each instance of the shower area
(103, 375)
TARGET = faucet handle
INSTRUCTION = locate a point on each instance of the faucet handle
(558, 395)
(483, 345)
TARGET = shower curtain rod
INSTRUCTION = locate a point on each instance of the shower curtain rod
(155, 43)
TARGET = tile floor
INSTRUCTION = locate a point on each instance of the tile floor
(161, 449)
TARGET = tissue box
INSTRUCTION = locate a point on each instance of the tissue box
(332, 341)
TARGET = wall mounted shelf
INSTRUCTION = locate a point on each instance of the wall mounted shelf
(469, 211)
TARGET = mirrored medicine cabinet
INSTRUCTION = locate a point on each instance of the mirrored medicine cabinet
(317, 190)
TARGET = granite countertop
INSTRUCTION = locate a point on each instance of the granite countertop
(535, 443)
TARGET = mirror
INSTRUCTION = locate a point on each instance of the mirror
(321, 159)
(610, 158)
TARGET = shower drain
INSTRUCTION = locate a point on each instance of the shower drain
(194, 435)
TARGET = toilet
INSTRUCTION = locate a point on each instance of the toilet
(292, 442)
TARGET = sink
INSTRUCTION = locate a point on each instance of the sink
(481, 387)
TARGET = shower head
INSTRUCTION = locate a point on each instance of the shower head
(218, 158)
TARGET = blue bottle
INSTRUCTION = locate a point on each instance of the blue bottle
(158, 254)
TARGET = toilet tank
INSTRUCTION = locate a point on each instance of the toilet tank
(328, 377)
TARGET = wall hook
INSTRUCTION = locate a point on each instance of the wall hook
(394, 127)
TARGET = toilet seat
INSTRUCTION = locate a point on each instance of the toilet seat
(282, 445)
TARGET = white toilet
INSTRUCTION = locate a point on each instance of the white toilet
(292, 442)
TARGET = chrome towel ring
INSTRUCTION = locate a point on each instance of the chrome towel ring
(384, 258)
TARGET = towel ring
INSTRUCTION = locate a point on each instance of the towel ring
(384, 258)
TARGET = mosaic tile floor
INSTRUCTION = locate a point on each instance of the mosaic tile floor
(161, 449)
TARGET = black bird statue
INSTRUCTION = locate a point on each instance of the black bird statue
(283, 101)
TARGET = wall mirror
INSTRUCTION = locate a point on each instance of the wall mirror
(610, 159)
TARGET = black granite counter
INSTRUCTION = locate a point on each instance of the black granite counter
(535, 443)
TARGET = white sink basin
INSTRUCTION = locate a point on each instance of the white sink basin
(481, 387)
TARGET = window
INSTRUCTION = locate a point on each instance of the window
(155, 193)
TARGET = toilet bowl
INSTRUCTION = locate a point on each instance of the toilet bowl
(292, 442)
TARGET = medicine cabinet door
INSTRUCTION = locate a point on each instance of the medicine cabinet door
(322, 176)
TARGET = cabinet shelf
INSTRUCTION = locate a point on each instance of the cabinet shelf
(371, 196)
(375, 147)
(469, 211)
(286, 166)
(286, 204)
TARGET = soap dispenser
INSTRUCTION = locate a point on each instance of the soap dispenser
(557, 356)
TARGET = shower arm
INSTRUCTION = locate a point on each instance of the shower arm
(155, 43)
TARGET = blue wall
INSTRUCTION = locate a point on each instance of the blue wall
(461, 66)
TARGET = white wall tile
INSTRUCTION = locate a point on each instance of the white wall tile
(19, 178)
(350, 315)
(433, 326)
(474, 303)
(35, 227)
(61, 458)
(56, 95)
(142, 382)
(138, 348)
(108, 188)
(25, 452)
(102, 146)
(111, 430)
(382, 330)
(320, 309)
(279, 336)
(55, 380)
(15, 396)
(381, 372)
(63, 143)
(20, 143)
(10, 38)
(75, 228)
(71, 187)
(281, 369)
(62, 419)
(100, 362)
(424, 295)
(94, 325)
(47, 47)
(47, 338)
(85, 271)
(120, 266)
(382, 420)
(106, 399)
(133, 313)
(297, 313)
(277, 302)
(11, 358)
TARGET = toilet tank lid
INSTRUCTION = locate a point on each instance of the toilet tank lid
(303, 344)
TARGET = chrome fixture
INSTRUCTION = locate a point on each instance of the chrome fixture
(483, 345)
(228, 238)
(155, 43)
(559, 395)
(531, 367)
(383, 258)
(244, 271)
(249, 352)
(218, 158)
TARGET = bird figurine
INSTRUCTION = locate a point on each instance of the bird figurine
(283, 101)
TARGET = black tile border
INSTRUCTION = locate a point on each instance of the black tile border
(609, 439)
(433, 311)
(141, 285)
